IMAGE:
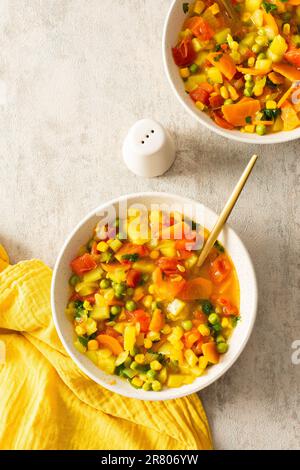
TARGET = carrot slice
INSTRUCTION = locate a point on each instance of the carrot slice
(237, 113)
(157, 321)
(253, 71)
(210, 352)
(198, 288)
(288, 71)
(111, 343)
(224, 63)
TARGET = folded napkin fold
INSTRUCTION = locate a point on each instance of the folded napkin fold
(46, 402)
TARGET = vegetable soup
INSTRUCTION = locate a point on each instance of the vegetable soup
(143, 310)
(245, 75)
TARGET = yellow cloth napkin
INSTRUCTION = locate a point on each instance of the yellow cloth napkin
(46, 402)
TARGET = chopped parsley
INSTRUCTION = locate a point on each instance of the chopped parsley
(218, 48)
(270, 114)
(248, 119)
(218, 245)
(185, 7)
(269, 6)
(235, 320)
(79, 309)
(207, 307)
(131, 257)
(83, 340)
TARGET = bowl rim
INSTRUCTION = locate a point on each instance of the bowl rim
(276, 138)
(169, 393)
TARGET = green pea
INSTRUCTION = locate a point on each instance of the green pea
(261, 129)
(115, 309)
(222, 348)
(119, 289)
(213, 318)
(187, 325)
(104, 284)
(217, 327)
(193, 68)
(130, 305)
(151, 374)
(248, 77)
(220, 339)
(130, 291)
(73, 280)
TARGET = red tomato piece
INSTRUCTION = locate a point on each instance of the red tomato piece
(83, 264)
(190, 338)
(219, 269)
(141, 317)
(184, 54)
(133, 278)
(200, 28)
(222, 122)
(227, 308)
(168, 265)
(200, 95)
(216, 101)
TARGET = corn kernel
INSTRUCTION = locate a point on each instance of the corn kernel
(156, 386)
(93, 345)
(102, 246)
(224, 92)
(153, 335)
(199, 7)
(224, 323)
(139, 358)
(80, 330)
(204, 330)
(251, 61)
(154, 254)
(184, 73)
(87, 305)
(286, 29)
(200, 105)
(147, 301)
(180, 268)
(214, 9)
(148, 343)
(155, 365)
(178, 332)
(233, 93)
(203, 362)
(166, 330)
(271, 104)
(151, 289)
(246, 16)
(137, 382)
(147, 386)
(250, 128)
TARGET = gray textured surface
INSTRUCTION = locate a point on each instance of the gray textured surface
(77, 74)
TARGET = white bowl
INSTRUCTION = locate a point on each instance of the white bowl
(173, 26)
(60, 292)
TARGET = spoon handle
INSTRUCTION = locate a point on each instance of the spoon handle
(226, 211)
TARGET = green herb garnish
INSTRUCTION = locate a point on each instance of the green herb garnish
(269, 6)
(83, 340)
(207, 307)
(270, 114)
(235, 320)
(185, 7)
(248, 119)
(79, 309)
(218, 48)
(131, 257)
(218, 57)
(218, 245)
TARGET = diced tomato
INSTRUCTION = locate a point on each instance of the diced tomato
(184, 248)
(293, 56)
(83, 264)
(216, 101)
(190, 338)
(197, 347)
(131, 249)
(141, 317)
(200, 317)
(200, 95)
(219, 269)
(184, 54)
(227, 307)
(168, 265)
(220, 121)
(207, 87)
(90, 298)
(133, 278)
(200, 28)
(198, 288)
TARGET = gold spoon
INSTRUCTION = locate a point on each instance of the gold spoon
(226, 211)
